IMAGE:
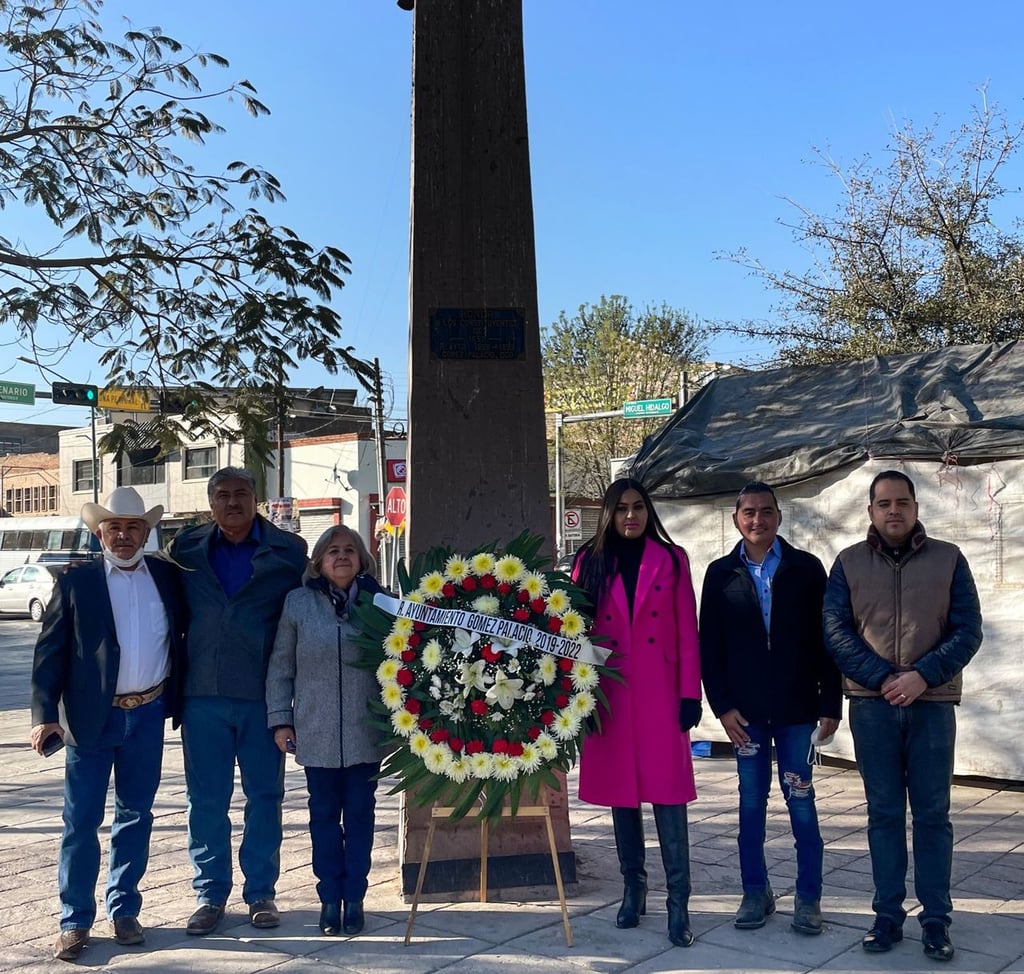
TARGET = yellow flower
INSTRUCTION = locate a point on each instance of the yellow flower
(480, 765)
(403, 723)
(431, 656)
(387, 671)
(505, 767)
(567, 724)
(456, 568)
(547, 746)
(458, 769)
(531, 758)
(572, 624)
(547, 669)
(509, 568)
(414, 596)
(558, 602)
(584, 703)
(419, 743)
(487, 604)
(431, 584)
(391, 695)
(535, 583)
(437, 758)
(396, 644)
(584, 675)
(483, 563)
(402, 626)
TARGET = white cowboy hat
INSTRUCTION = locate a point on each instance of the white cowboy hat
(123, 502)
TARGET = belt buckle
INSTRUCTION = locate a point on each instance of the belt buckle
(130, 701)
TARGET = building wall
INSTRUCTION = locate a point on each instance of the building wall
(29, 484)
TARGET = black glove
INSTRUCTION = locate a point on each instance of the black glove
(689, 714)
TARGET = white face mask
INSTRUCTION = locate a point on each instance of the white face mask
(123, 562)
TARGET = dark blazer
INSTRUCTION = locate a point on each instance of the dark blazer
(786, 677)
(77, 655)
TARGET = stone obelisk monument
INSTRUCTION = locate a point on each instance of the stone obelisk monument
(477, 462)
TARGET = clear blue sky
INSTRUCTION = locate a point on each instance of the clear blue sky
(662, 135)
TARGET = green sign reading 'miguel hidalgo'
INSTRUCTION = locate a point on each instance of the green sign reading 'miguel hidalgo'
(18, 392)
(643, 408)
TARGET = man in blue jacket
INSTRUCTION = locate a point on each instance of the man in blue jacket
(768, 678)
(105, 677)
(902, 619)
(237, 571)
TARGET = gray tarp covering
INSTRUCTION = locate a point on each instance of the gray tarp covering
(964, 405)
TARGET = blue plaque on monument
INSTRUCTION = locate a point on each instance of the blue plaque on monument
(477, 333)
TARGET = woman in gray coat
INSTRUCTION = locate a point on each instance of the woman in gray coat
(317, 707)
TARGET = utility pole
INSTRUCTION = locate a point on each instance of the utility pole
(382, 463)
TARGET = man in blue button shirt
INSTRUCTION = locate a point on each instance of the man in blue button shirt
(768, 678)
(237, 571)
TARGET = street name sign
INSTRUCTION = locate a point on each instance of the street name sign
(645, 408)
(18, 392)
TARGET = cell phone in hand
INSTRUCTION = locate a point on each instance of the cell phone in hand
(289, 745)
(52, 744)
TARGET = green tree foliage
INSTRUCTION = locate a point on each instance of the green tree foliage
(913, 257)
(163, 269)
(603, 356)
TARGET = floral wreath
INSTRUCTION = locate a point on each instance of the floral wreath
(487, 676)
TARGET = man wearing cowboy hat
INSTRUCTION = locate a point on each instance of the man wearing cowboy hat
(104, 678)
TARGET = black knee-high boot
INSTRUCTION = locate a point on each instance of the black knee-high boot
(674, 838)
(629, 844)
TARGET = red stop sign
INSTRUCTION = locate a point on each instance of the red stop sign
(394, 506)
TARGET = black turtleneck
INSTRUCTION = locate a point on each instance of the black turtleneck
(628, 553)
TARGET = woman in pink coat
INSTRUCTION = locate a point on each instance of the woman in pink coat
(645, 613)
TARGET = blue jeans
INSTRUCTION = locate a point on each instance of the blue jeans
(215, 731)
(907, 752)
(754, 765)
(341, 804)
(132, 745)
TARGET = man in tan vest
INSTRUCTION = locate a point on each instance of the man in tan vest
(902, 619)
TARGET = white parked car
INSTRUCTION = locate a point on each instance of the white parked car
(27, 589)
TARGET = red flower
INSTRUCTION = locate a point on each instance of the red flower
(522, 596)
(479, 707)
(455, 743)
(522, 614)
(566, 683)
(504, 588)
(413, 640)
(489, 653)
(419, 626)
(539, 605)
(474, 747)
(413, 705)
(547, 718)
(469, 584)
(448, 590)
(500, 746)
(426, 723)
(488, 581)
(408, 655)
(564, 663)
(562, 700)
(439, 736)
(404, 677)
(554, 624)
(515, 749)
(534, 732)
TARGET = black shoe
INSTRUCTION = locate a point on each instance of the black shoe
(634, 906)
(204, 920)
(353, 920)
(128, 931)
(882, 936)
(806, 916)
(754, 909)
(330, 919)
(263, 915)
(935, 937)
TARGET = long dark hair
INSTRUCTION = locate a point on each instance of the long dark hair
(597, 559)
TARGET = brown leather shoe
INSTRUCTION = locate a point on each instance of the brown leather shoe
(70, 944)
(204, 920)
(128, 931)
(264, 914)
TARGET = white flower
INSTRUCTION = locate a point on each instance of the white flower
(487, 605)
(584, 703)
(388, 670)
(567, 724)
(480, 764)
(504, 767)
(463, 640)
(547, 670)
(402, 626)
(534, 583)
(509, 569)
(531, 759)
(456, 568)
(458, 769)
(437, 758)
(391, 696)
(584, 675)
(431, 655)
(547, 746)
(414, 596)
(431, 584)
(482, 563)
(504, 691)
(403, 723)
(419, 743)
(472, 676)
(558, 602)
(573, 624)
(395, 645)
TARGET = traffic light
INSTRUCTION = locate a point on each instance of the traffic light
(74, 394)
